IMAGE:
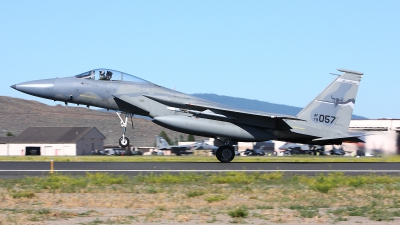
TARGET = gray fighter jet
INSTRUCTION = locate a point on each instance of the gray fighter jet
(162, 144)
(325, 120)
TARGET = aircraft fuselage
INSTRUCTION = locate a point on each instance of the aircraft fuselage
(324, 121)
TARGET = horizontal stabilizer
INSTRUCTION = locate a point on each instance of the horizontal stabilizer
(342, 139)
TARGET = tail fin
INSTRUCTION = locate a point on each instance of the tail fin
(333, 107)
(161, 143)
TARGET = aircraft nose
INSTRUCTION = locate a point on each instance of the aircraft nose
(40, 88)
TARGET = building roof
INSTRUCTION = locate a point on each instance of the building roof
(52, 135)
(375, 125)
(4, 140)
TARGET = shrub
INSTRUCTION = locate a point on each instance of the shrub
(264, 207)
(105, 178)
(324, 184)
(191, 194)
(233, 178)
(215, 198)
(152, 190)
(56, 181)
(43, 211)
(23, 194)
(308, 213)
(239, 212)
(167, 178)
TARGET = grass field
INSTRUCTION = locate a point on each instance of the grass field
(200, 158)
(188, 198)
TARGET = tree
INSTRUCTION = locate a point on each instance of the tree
(190, 137)
(181, 138)
(165, 136)
(176, 141)
(9, 134)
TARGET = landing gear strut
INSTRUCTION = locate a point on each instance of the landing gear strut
(225, 153)
(124, 141)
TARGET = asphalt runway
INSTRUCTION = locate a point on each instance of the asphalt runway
(18, 169)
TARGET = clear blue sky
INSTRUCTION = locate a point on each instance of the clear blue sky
(276, 51)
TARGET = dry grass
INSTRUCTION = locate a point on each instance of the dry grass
(169, 198)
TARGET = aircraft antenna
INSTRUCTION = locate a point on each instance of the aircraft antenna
(335, 74)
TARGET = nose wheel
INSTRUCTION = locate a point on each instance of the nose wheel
(124, 141)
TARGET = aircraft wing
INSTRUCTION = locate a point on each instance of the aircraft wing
(213, 111)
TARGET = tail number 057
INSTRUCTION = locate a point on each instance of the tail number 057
(324, 118)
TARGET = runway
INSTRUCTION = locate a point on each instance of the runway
(16, 169)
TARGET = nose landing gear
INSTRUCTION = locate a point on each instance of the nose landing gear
(124, 141)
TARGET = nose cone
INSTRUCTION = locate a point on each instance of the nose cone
(40, 88)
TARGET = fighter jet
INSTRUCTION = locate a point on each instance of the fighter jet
(162, 144)
(325, 120)
(338, 151)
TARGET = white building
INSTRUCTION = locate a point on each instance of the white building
(54, 141)
(381, 135)
(4, 144)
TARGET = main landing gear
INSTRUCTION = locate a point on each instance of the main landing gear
(225, 153)
(124, 141)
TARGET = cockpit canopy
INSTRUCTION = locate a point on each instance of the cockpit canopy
(109, 75)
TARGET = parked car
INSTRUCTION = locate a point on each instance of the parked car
(108, 151)
(363, 153)
(120, 151)
(98, 152)
(114, 151)
(137, 153)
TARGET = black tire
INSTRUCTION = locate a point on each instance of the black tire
(123, 143)
(225, 154)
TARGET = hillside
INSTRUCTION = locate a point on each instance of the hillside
(18, 114)
(242, 103)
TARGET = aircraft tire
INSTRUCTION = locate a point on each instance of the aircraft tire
(123, 142)
(225, 154)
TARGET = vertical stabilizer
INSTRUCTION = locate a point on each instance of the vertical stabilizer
(161, 143)
(334, 106)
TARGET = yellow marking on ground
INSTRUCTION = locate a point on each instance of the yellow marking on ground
(88, 96)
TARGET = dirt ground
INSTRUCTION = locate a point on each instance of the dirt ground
(191, 199)
(120, 216)
(161, 208)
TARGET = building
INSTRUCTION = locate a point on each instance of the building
(381, 135)
(54, 141)
(4, 145)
